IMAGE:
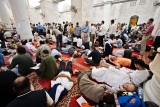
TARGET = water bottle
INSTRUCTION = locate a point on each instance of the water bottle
(140, 93)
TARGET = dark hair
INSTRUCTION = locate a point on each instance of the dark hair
(108, 99)
(140, 38)
(140, 62)
(45, 51)
(112, 21)
(57, 56)
(77, 23)
(21, 85)
(21, 50)
(72, 24)
(47, 41)
(117, 37)
(42, 42)
(151, 19)
(103, 21)
(93, 47)
(153, 55)
(24, 42)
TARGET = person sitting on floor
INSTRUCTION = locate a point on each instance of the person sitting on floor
(31, 46)
(24, 62)
(39, 52)
(150, 44)
(107, 49)
(98, 93)
(118, 43)
(96, 57)
(24, 46)
(137, 45)
(66, 40)
(6, 91)
(48, 67)
(77, 41)
(28, 98)
(2, 62)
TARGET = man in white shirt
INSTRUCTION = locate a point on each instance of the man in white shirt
(102, 33)
(117, 77)
(66, 40)
(112, 28)
(92, 33)
(64, 76)
(56, 53)
(78, 41)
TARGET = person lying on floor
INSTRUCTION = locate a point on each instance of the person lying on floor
(56, 53)
(121, 76)
(27, 97)
(70, 49)
(120, 61)
(98, 93)
(126, 53)
(95, 55)
(62, 82)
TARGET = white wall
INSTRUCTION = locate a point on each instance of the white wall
(35, 16)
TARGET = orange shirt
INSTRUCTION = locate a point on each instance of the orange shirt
(123, 61)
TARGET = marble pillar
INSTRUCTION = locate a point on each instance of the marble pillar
(20, 15)
(152, 87)
(76, 17)
(50, 11)
(4, 15)
(156, 21)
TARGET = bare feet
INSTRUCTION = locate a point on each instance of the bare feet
(75, 71)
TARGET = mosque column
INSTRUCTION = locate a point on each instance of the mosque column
(4, 14)
(50, 11)
(76, 16)
(20, 15)
(156, 21)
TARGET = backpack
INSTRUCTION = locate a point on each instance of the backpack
(124, 101)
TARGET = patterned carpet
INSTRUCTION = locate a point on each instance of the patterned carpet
(69, 100)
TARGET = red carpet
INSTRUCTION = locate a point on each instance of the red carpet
(69, 100)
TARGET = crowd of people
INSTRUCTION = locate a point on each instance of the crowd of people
(110, 72)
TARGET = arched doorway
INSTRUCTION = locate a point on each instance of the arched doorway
(133, 20)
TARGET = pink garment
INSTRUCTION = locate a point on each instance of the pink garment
(149, 29)
(28, 50)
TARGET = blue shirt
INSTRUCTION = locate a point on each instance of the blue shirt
(86, 30)
(39, 27)
(2, 62)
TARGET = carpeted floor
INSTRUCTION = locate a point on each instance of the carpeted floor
(69, 100)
